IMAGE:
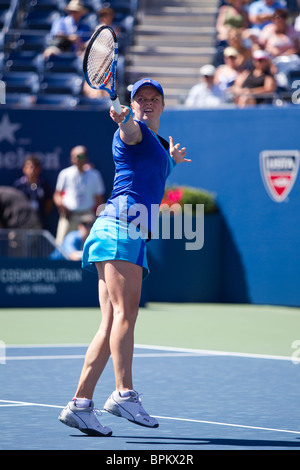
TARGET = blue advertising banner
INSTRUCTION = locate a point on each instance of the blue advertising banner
(46, 283)
(51, 135)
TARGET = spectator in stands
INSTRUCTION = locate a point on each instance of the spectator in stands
(79, 191)
(16, 211)
(257, 85)
(232, 15)
(297, 24)
(72, 245)
(69, 33)
(244, 57)
(205, 94)
(106, 16)
(261, 12)
(35, 188)
(227, 73)
(297, 19)
(279, 38)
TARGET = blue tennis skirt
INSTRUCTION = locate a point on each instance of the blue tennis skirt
(112, 239)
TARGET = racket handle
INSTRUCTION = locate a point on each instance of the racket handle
(116, 105)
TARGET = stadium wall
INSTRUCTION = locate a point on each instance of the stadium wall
(261, 254)
(255, 257)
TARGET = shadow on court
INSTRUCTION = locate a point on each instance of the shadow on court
(201, 441)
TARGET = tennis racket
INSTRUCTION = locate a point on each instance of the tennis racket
(100, 63)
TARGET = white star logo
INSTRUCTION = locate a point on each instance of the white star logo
(7, 129)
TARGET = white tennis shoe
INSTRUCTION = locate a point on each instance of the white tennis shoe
(84, 419)
(130, 408)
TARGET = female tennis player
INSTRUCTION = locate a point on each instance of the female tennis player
(116, 249)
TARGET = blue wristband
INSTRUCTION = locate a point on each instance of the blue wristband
(127, 117)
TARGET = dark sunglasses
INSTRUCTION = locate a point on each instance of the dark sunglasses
(279, 17)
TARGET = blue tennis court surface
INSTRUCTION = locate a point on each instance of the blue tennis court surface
(202, 399)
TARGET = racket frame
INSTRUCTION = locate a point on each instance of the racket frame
(111, 77)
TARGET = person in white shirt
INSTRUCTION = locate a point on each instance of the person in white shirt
(79, 191)
(205, 94)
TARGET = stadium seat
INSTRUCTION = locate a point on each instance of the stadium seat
(58, 101)
(21, 82)
(293, 75)
(48, 5)
(1, 62)
(101, 103)
(3, 15)
(40, 20)
(20, 99)
(93, 5)
(128, 7)
(23, 61)
(67, 62)
(30, 41)
(125, 38)
(61, 83)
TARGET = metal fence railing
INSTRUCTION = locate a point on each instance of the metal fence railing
(16, 243)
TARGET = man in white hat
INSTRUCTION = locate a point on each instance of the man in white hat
(69, 33)
(205, 94)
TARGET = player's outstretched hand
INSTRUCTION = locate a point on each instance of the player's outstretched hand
(177, 153)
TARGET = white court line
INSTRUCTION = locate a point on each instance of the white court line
(26, 403)
(184, 351)
(78, 356)
(210, 352)
(216, 423)
(41, 358)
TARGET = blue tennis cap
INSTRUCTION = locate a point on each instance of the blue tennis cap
(146, 82)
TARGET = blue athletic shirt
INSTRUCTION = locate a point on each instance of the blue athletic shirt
(141, 172)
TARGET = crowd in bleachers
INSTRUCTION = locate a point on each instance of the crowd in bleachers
(43, 43)
(257, 55)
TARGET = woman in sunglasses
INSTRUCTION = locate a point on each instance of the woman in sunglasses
(257, 85)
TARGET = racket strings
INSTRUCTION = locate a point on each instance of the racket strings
(100, 58)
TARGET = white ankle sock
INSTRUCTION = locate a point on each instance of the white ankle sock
(82, 402)
(126, 393)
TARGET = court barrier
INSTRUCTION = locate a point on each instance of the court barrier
(17, 243)
(181, 275)
(29, 277)
(40, 282)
